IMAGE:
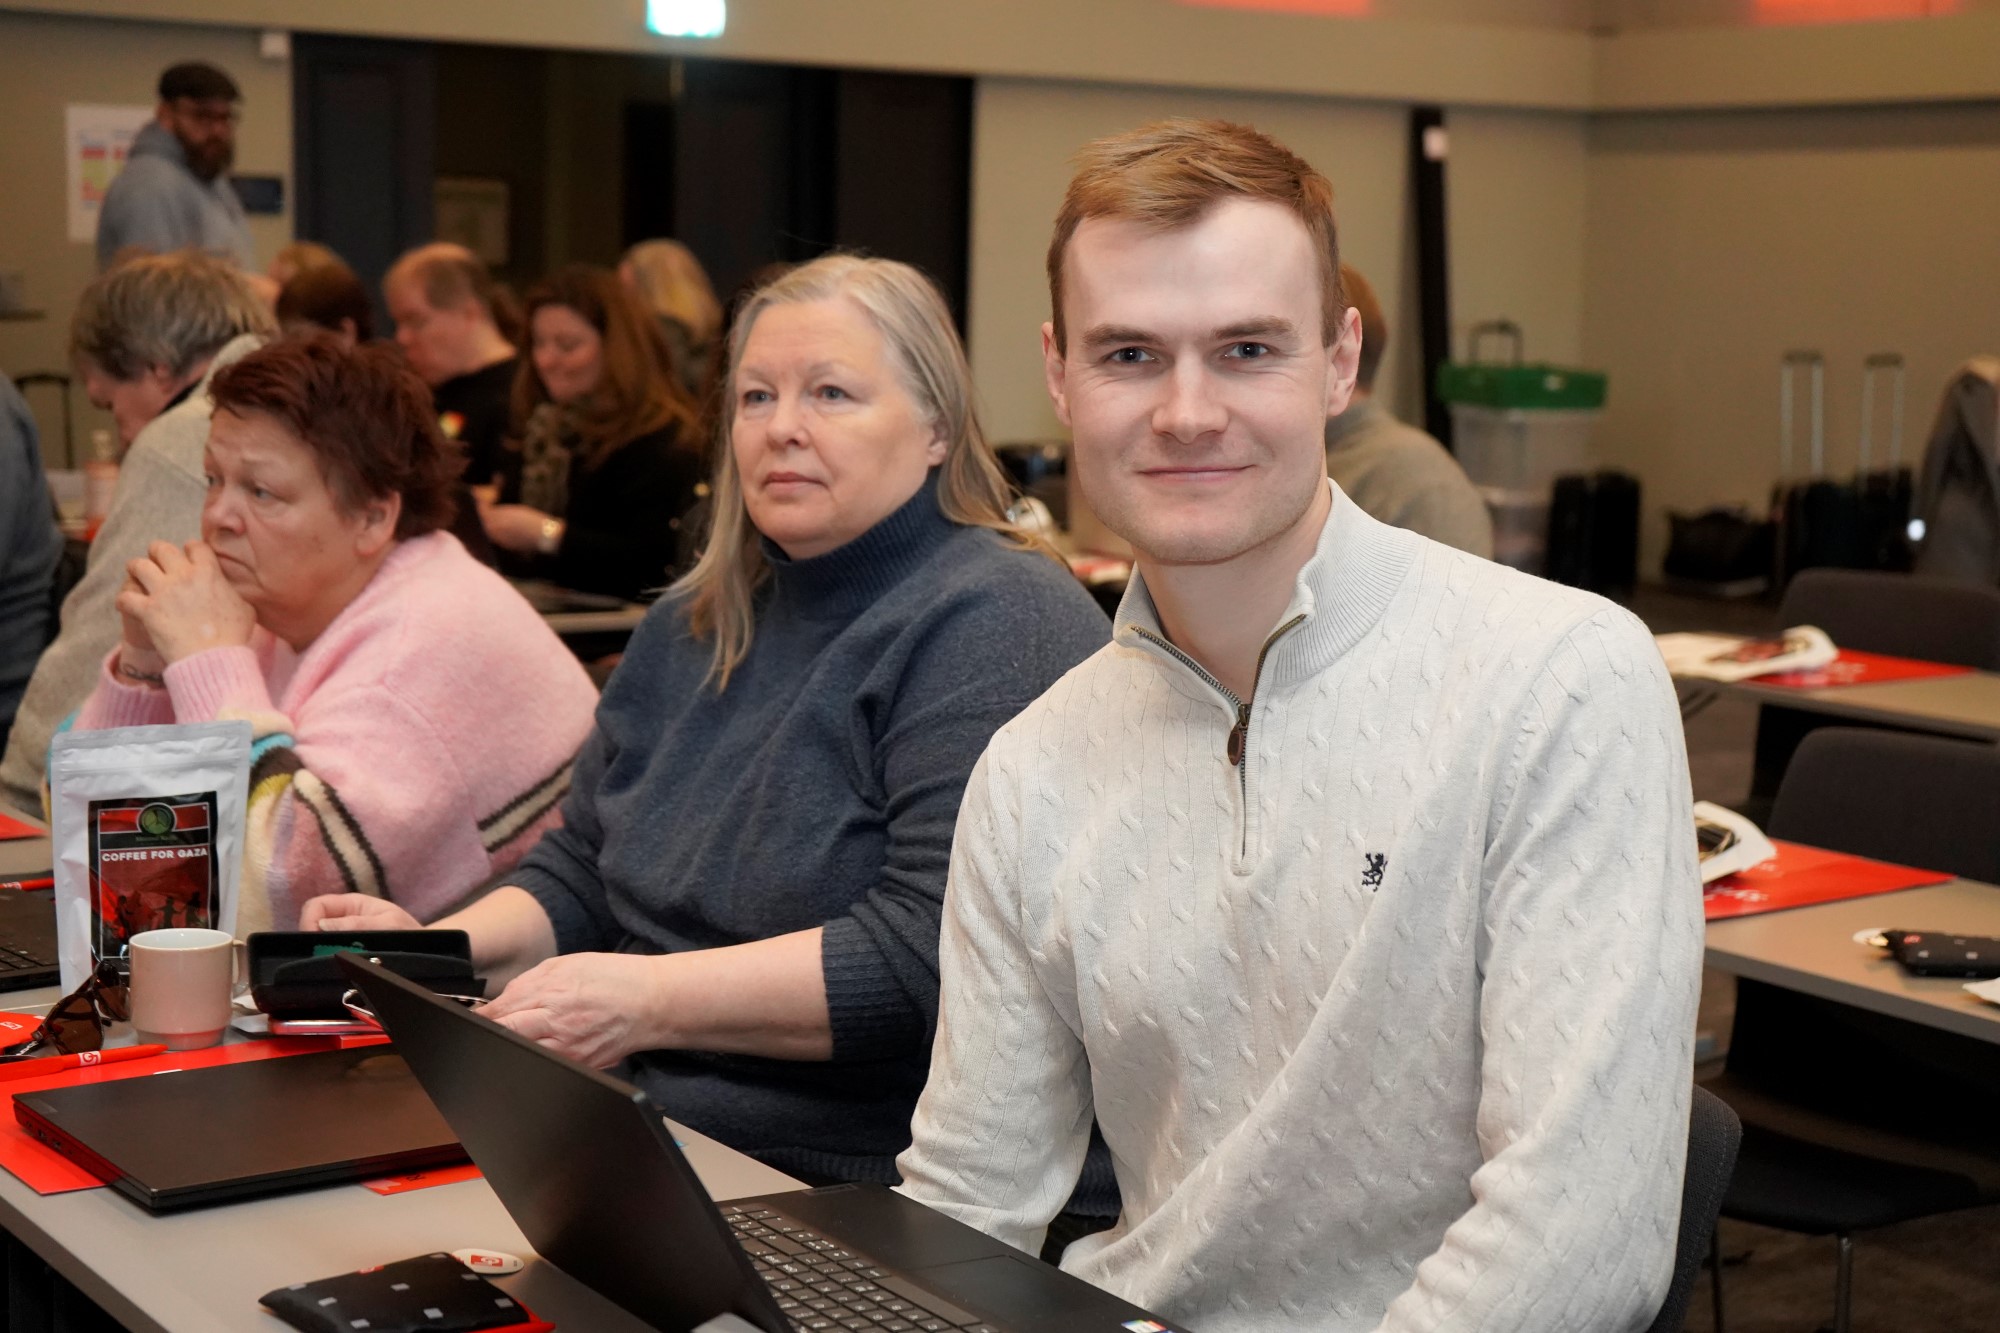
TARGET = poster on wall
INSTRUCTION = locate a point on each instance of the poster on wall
(95, 141)
(472, 212)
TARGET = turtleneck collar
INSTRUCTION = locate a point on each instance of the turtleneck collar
(1342, 590)
(848, 579)
(1360, 413)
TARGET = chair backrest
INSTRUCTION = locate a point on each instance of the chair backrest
(1918, 800)
(1903, 615)
(1713, 1135)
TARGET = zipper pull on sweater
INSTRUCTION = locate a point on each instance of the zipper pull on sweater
(1237, 733)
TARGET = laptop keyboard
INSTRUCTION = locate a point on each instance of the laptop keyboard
(822, 1285)
(19, 955)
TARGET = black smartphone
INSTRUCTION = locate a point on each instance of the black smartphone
(1937, 953)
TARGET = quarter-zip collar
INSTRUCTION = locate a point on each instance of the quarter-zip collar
(1341, 591)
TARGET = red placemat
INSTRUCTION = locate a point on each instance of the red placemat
(46, 1171)
(1853, 668)
(1799, 876)
(422, 1180)
(12, 829)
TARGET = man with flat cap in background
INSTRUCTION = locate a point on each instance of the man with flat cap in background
(174, 192)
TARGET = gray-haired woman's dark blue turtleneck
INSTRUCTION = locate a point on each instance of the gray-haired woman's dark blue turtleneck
(819, 789)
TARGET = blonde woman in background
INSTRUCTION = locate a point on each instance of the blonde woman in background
(743, 906)
(669, 281)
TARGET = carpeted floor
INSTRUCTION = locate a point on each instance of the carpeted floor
(1938, 1275)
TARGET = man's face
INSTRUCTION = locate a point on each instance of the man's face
(132, 403)
(434, 340)
(206, 128)
(1196, 385)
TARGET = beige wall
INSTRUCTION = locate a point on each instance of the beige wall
(1516, 205)
(1717, 242)
(1152, 42)
(47, 63)
(1742, 13)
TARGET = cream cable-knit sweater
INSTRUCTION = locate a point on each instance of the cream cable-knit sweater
(1389, 1028)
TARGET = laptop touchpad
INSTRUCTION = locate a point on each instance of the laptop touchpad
(1022, 1293)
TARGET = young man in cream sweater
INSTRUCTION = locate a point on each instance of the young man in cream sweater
(1352, 889)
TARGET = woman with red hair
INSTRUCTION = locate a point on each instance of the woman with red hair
(414, 718)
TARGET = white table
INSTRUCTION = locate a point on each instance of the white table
(24, 856)
(1966, 705)
(1812, 950)
(201, 1271)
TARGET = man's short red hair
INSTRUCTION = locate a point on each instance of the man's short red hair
(1168, 174)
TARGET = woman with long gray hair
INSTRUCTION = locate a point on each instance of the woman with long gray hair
(743, 904)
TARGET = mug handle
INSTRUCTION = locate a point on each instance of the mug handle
(239, 968)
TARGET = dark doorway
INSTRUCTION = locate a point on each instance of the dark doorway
(364, 124)
(748, 164)
(757, 164)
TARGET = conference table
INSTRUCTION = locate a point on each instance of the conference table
(1965, 705)
(1812, 950)
(574, 614)
(202, 1270)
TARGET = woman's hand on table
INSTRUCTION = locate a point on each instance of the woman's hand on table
(514, 527)
(595, 1008)
(354, 911)
(179, 601)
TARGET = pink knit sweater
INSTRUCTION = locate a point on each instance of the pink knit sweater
(416, 748)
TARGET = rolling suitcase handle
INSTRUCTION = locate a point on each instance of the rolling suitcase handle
(1874, 365)
(1504, 328)
(1787, 394)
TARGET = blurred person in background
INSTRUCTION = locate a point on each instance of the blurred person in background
(446, 306)
(1394, 471)
(174, 190)
(146, 338)
(414, 718)
(329, 297)
(30, 546)
(670, 282)
(606, 458)
(299, 257)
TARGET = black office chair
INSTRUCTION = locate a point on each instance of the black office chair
(1916, 800)
(1906, 615)
(1713, 1133)
(1854, 1120)
(1902, 615)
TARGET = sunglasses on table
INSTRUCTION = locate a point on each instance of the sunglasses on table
(76, 1022)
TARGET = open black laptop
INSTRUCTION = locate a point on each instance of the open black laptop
(588, 1169)
(28, 939)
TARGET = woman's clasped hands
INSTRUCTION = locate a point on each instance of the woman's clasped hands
(176, 602)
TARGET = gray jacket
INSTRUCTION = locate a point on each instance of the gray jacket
(160, 490)
(1403, 477)
(157, 204)
(30, 545)
(1958, 488)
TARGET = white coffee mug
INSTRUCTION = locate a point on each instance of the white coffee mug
(181, 983)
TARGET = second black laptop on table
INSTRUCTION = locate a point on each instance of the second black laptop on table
(591, 1174)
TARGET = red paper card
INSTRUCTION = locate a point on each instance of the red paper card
(1852, 668)
(47, 1171)
(1800, 876)
(12, 829)
(423, 1180)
